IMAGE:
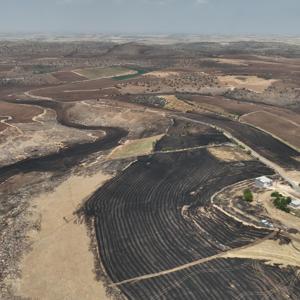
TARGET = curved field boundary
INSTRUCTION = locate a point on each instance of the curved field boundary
(194, 263)
(138, 220)
(263, 146)
(5, 121)
(150, 249)
(242, 120)
(220, 279)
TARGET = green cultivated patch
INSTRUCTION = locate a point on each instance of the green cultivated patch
(129, 76)
(109, 72)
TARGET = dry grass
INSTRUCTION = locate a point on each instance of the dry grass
(60, 264)
(162, 74)
(228, 154)
(252, 83)
(135, 147)
(285, 218)
(271, 251)
(174, 103)
(235, 62)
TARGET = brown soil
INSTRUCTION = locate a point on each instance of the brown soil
(228, 153)
(230, 61)
(135, 147)
(19, 113)
(278, 126)
(68, 76)
(59, 92)
(5, 68)
(174, 103)
(286, 219)
(252, 83)
(221, 104)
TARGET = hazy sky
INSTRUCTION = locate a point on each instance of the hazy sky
(152, 16)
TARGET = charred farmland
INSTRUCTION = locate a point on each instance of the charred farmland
(140, 222)
(70, 155)
(183, 135)
(261, 142)
(220, 279)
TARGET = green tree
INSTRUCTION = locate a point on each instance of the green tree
(281, 202)
(248, 196)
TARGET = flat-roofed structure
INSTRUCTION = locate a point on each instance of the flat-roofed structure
(263, 182)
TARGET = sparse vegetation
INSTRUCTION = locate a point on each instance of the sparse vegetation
(42, 69)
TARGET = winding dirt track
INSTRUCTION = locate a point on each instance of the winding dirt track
(194, 263)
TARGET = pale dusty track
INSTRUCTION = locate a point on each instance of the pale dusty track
(194, 263)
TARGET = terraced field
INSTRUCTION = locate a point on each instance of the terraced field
(220, 279)
(147, 220)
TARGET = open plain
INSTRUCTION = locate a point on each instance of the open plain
(123, 170)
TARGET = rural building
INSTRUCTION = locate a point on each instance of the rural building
(295, 204)
(263, 182)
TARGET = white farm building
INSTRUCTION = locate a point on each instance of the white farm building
(263, 182)
(295, 203)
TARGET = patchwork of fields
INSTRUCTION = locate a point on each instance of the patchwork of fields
(143, 156)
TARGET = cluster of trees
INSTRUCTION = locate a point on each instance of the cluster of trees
(281, 202)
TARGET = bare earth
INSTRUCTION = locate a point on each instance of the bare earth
(162, 74)
(271, 250)
(228, 154)
(279, 126)
(135, 147)
(48, 269)
(252, 83)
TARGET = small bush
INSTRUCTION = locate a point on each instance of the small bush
(248, 196)
(275, 194)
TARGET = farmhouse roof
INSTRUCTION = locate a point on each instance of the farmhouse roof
(295, 202)
(264, 179)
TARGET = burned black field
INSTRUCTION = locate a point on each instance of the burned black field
(160, 237)
(184, 135)
(219, 279)
(263, 143)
